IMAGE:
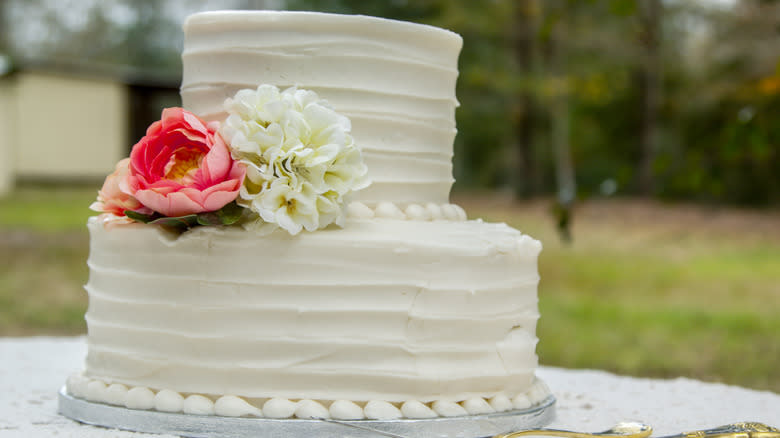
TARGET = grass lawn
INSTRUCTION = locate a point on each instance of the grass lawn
(43, 250)
(47, 209)
(649, 289)
(645, 289)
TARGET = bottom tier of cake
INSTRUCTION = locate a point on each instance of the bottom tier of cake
(423, 318)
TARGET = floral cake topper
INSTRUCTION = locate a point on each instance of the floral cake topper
(282, 159)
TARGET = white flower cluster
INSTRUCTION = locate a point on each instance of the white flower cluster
(300, 157)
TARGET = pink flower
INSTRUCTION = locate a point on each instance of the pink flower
(182, 166)
(113, 200)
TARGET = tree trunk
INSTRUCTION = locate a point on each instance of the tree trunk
(650, 82)
(566, 190)
(524, 172)
(5, 29)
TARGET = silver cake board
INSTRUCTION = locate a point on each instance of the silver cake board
(201, 426)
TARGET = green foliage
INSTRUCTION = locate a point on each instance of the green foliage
(732, 153)
(715, 126)
(704, 150)
(227, 215)
(176, 222)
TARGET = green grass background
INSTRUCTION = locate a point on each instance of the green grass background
(645, 289)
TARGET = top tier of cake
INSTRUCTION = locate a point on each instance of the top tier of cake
(394, 80)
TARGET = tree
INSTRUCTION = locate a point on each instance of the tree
(649, 76)
(525, 36)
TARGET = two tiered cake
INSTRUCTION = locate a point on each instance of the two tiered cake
(395, 306)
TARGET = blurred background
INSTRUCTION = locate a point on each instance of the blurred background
(639, 140)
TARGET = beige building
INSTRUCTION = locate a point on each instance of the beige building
(7, 135)
(72, 124)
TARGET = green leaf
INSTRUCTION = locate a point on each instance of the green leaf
(179, 223)
(144, 218)
(209, 218)
(227, 215)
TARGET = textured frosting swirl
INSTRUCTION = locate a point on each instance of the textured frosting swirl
(380, 310)
(394, 80)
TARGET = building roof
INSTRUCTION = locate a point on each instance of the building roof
(126, 74)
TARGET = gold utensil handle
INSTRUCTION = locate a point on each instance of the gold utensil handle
(736, 430)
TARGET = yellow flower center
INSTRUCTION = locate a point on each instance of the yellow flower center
(183, 165)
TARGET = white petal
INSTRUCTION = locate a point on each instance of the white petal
(301, 159)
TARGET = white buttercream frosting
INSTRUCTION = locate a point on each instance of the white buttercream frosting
(434, 211)
(166, 400)
(501, 403)
(311, 409)
(447, 408)
(140, 397)
(416, 409)
(477, 406)
(412, 212)
(394, 80)
(232, 406)
(198, 405)
(116, 394)
(417, 212)
(358, 210)
(389, 210)
(96, 391)
(521, 401)
(381, 410)
(77, 385)
(381, 309)
(346, 410)
(279, 408)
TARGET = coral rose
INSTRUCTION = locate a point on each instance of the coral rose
(113, 200)
(182, 166)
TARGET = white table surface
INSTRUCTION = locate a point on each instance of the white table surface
(34, 369)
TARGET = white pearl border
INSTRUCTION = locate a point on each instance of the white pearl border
(165, 400)
(412, 212)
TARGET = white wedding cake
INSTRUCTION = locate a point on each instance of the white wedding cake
(349, 287)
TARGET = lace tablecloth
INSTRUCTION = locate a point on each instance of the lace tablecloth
(34, 369)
